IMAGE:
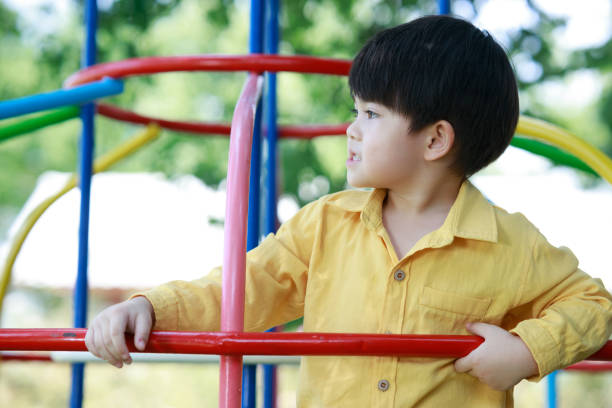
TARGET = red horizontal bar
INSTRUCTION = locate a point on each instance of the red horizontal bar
(265, 343)
(25, 357)
(252, 62)
(604, 353)
(298, 132)
(253, 343)
(592, 366)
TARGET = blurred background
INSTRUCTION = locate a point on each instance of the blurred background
(158, 215)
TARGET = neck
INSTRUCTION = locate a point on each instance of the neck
(434, 196)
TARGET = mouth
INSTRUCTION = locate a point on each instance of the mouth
(354, 156)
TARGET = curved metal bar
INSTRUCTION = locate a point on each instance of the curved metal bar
(123, 115)
(591, 156)
(252, 63)
(537, 147)
(234, 247)
(256, 36)
(291, 131)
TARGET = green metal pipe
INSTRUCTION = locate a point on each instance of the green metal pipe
(552, 153)
(31, 124)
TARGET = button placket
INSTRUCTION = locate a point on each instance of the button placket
(392, 317)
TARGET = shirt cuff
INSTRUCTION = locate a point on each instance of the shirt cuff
(542, 345)
(165, 308)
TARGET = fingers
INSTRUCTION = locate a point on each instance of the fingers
(481, 329)
(466, 364)
(95, 342)
(463, 365)
(106, 336)
(117, 339)
(141, 330)
(90, 342)
(104, 346)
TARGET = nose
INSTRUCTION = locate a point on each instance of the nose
(352, 131)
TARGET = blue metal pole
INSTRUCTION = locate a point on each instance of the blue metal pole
(551, 388)
(444, 6)
(272, 39)
(61, 97)
(249, 372)
(87, 148)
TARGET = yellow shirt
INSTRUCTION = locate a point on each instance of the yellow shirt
(334, 264)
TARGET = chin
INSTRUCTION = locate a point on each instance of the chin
(357, 183)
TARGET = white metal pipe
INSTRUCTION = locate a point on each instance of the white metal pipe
(86, 357)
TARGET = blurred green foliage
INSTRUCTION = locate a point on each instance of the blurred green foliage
(39, 57)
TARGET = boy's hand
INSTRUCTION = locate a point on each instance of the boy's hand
(105, 337)
(501, 361)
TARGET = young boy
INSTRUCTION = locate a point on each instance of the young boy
(422, 253)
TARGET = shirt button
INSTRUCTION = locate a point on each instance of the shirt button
(399, 275)
(383, 385)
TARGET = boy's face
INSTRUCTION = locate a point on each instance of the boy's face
(382, 151)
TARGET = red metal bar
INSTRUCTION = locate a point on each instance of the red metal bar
(252, 62)
(123, 115)
(604, 353)
(277, 344)
(298, 132)
(311, 131)
(25, 357)
(235, 234)
(235, 343)
(591, 366)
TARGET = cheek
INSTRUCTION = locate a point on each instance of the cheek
(382, 152)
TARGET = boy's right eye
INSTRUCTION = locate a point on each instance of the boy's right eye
(355, 112)
(371, 115)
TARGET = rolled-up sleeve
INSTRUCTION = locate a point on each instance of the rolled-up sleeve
(566, 315)
(276, 276)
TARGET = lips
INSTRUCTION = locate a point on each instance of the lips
(352, 156)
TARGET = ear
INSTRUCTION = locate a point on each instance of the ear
(440, 139)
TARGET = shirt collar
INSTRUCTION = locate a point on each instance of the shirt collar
(471, 216)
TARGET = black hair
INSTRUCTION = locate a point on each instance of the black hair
(443, 68)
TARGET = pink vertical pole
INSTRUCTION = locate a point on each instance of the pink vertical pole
(234, 248)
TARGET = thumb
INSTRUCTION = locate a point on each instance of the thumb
(463, 365)
(481, 329)
(142, 330)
